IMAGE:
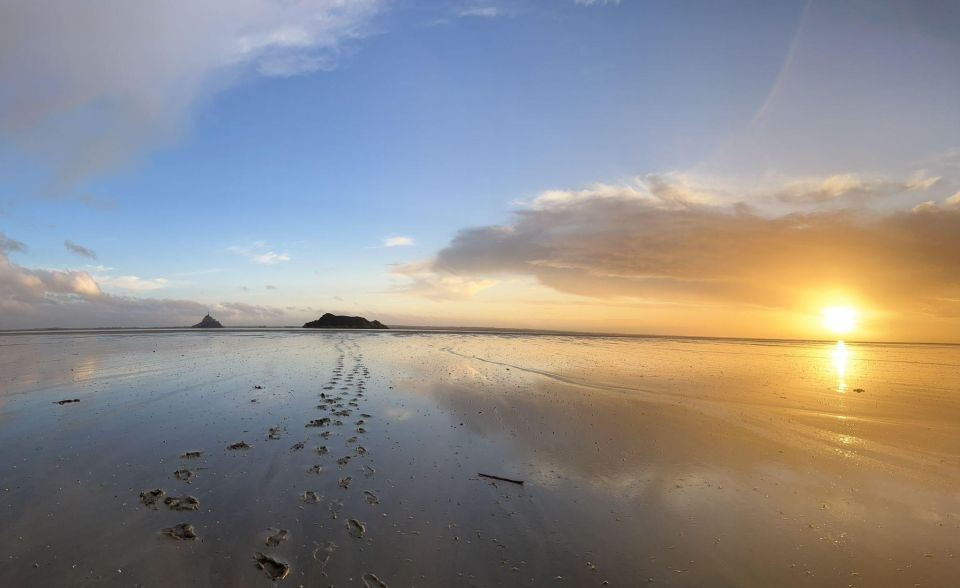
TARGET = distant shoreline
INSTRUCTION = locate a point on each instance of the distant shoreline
(405, 329)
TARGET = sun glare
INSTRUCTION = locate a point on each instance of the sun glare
(839, 319)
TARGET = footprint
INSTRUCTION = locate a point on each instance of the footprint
(356, 528)
(276, 536)
(151, 497)
(345, 482)
(240, 445)
(334, 507)
(183, 531)
(311, 497)
(371, 497)
(275, 569)
(182, 503)
(324, 554)
(372, 581)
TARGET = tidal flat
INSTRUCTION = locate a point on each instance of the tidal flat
(348, 458)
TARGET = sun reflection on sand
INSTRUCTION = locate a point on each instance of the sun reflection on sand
(840, 356)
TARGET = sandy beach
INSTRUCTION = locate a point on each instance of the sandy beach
(356, 460)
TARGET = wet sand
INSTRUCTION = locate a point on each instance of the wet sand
(353, 459)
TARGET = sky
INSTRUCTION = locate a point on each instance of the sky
(687, 168)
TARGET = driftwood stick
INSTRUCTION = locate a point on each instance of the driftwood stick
(502, 479)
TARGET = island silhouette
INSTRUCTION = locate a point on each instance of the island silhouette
(208, 322)
(333, 321)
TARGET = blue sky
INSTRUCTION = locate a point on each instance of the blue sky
(289, 164)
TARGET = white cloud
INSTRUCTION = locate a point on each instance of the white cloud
(270, 258)
(132, 283)
(259, 252)
(481, 11)
(425, 279)
(397, 242)
(953, 201)
(87, 84)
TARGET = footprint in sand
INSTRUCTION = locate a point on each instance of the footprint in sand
(276, 536)
(182, 503)
(371, 497)
(183, 475)
(238, 446)
(345, 482)
(323, 555)
(191, 455)
(183, 531)
(151, 497)
(356, 528)
(311, 497)
(372, 581)
(334, 507)
(275, 569)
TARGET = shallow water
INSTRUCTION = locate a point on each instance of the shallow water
(678, 461)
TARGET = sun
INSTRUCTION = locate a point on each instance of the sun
(839, 319)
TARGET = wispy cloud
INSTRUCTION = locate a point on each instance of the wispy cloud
(132, 283)
(8, 245)
(850, 186)
(96, 202)
(480, 11)
(270, 258)
(397, 242)
(424, 279)
(259, 252)
(79, 249)
(123, 76)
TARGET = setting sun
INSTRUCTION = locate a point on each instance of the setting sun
(839, 319)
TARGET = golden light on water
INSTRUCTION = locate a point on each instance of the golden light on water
(839, 319)
(840, 357)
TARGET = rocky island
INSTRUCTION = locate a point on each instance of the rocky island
(208, 322)
(333, 321)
